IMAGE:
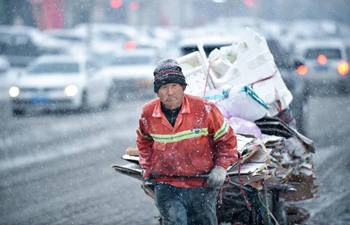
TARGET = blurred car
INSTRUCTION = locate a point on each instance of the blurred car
(189, 44)
(22, 44)
(76, 41)
(4, 65)
(323, 64)
(60, 83)
(106, 36)
(4, 73)
(132, 72)
(69, 35)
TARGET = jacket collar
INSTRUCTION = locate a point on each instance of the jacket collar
(157, 112)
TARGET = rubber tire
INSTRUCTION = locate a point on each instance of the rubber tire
(17, 112)
(84, 107)
(107, 104)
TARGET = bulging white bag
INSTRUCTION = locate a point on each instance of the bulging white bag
(242, 126)
(244, 103)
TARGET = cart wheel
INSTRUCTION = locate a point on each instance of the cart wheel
(17, 112)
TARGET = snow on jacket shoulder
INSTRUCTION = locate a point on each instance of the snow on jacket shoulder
(200, 139)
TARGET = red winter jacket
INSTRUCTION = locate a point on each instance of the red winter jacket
(200, 139)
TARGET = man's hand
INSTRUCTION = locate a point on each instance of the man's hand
(217, 177)
(147, 178)
(146, 174)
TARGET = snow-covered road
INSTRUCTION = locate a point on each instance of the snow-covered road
(56, 169)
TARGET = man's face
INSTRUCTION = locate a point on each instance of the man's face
(171, 95)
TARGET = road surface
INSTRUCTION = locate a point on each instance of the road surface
(56, 168)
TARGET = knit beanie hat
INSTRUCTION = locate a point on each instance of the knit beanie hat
(168, 71)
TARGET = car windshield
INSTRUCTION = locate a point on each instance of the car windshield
(62, 68)
(131, 60)
(207, 48)
(330, 53)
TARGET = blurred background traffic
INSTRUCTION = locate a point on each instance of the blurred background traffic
(98, 56)
(119, 41)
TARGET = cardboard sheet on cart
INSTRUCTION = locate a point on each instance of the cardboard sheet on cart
(249, 168)
(243, 142)
(132, 169)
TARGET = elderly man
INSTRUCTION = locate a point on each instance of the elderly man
(181, 138)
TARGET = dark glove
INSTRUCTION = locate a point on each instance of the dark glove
(217, 177)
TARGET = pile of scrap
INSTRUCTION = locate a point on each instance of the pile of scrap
(281, 160)
(279, 163)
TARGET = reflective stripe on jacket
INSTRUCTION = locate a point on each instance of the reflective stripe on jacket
(200, 139)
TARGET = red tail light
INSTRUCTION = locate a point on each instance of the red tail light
(302, 70)
(130, 45)
(322, 59)
(116, 4)
(343, 68)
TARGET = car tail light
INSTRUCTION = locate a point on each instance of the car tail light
(130, 45)
(302, 70)
(343, 68)
(322, 59)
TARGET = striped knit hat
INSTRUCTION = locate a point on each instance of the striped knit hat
(168, 71)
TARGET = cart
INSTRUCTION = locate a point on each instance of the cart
(262, 186)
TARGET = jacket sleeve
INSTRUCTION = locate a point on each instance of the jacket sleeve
(224, 138)
(144, 144)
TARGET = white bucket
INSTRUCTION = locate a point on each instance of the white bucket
(195, 71)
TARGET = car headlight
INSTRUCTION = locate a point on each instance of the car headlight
(71, 90)
(14, 91)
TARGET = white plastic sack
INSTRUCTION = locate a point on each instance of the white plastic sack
(241, 126)
(240, 104)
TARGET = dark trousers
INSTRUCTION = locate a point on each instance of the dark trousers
(186, 206)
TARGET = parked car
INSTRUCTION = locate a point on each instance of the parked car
(106, 36)
(324, 65)
(60, 83)
(77, 42)
(189, 44)
(132, 72)
(22, 45)
(4, 76)
(4, 65)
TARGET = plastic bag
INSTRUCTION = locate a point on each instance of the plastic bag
(244, 103)
(242, 126)
(216, 95)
